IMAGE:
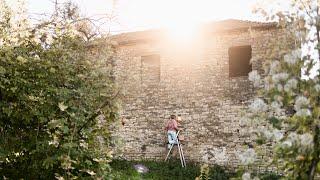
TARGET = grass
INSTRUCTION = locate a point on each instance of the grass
(163, 170)
(159, 170)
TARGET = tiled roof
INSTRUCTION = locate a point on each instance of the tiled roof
(214, 27)
(234, 24)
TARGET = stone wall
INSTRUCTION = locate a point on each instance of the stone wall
(194, 82)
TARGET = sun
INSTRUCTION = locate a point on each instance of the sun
(182, 32)
(180, 20)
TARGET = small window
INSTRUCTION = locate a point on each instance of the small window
(150, 71)
(239, 61)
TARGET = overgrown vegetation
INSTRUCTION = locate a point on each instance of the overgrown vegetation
(164, 170)
(172, 169)
(56, 97)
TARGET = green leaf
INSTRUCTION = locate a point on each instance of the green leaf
(276, 123)
(65, 129)
(52, 70)
(2, 70)
(13, 89)
(21, 59)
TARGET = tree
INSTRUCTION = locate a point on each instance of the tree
(56, 97)
(288, 92)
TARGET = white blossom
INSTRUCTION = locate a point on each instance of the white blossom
(301, 102)
(280, 87)
(101, 140)
(286, 144)
(276, 78)
(55, 141)
(258, 105)
(37, 57)
(255, 78)
(49, 39)
(62, 107)
(297, 53)
(277, 134)
(290, 85)
(83, 144)
(272, 135)
(274, 67)
(92, 173)
(293, 57)
(248, 157)
(267, 134)
(290, 141)
(293, 137)
(246, 176)
(306, 140)
(276, 107)
(288, 59)
(303, 113)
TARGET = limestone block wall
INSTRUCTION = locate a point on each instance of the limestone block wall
(193, 81)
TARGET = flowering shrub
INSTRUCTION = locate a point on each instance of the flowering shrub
(56, 99)
(287, 111)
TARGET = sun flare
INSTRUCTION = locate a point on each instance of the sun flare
(182, 32)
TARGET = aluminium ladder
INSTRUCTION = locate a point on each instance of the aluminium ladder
(181, 155)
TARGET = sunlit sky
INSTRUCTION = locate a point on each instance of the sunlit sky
(132, 15)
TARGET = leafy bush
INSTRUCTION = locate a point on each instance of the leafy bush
(56, 96)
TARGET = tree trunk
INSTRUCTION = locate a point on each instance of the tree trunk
(315, 155)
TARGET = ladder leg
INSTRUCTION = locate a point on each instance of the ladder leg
(184, 160)
(180, 153)
(169, 152)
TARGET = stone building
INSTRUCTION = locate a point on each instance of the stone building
(205, 79)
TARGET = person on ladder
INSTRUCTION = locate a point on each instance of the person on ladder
(172, 128)
(173, 139)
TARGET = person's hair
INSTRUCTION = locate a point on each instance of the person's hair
(172, 116)
(179, 114)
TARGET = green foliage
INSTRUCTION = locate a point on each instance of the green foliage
(269, 176)
(56, 99)
(165, 170)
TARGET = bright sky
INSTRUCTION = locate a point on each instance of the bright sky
(132, 15)
(179, 15)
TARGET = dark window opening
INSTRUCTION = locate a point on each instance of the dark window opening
(239, 61)
(150, 68)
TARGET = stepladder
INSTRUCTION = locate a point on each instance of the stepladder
(180, 150)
